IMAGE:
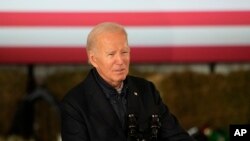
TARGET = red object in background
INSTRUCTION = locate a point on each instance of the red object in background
(138, 55)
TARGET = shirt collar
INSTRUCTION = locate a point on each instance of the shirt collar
(107, 88)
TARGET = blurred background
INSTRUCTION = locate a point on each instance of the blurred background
(196, 52)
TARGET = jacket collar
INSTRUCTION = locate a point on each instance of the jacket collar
(108, 89)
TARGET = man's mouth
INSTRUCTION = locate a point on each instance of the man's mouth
(120, 70)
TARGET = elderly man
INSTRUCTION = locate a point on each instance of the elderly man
(110, 105)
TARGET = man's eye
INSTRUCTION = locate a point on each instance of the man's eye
(110, 54)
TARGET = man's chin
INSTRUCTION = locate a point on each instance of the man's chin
(121, 78)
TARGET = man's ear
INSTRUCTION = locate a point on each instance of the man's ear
(92, 58)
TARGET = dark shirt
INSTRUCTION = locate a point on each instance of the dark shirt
(117, 100)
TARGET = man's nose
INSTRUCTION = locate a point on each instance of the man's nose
(119, 59)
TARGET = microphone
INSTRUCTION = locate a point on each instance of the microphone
(132, 126)
(151, 134)
(155, 126)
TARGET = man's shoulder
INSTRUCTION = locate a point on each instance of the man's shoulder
(137, 79)
(75, 93)
(80, 90)
(140, 84)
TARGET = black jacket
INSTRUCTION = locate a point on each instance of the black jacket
(87, 115)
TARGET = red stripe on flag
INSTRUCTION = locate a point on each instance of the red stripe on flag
(75, 55)
(126, 18)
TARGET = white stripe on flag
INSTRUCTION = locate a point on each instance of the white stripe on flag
(122, 5)
(138, 36)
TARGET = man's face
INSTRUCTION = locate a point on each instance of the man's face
(111, 57)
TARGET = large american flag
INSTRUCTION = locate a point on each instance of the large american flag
(160, 31)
